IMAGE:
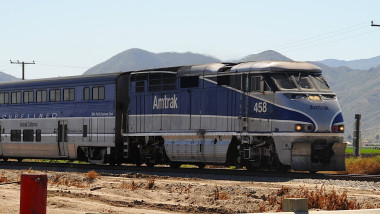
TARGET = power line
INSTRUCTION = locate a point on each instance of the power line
(63, 66)
(338, 40)
(318, 37)
(330, 36)
(23, 66)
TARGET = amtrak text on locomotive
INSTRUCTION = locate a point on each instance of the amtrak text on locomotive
(165, 102)
(319, 107)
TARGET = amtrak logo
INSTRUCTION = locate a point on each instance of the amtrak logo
(165, 102)
(325, 108)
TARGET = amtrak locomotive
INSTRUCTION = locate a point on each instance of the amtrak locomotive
(254, 114)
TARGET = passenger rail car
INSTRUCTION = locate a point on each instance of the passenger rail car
(253, 114)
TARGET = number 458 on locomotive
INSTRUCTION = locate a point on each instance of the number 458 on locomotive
(254, 114)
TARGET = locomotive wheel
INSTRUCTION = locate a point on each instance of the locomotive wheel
(201, 165)
(250, 167)
(149, 164)
(111, 161)
(175, 165)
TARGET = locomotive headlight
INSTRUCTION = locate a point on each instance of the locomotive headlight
(309, 128)
(298, 128)
(314, 97)
(338, 128)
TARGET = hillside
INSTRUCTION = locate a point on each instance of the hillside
(138, 59)
(266, 55)
(361, 64)
(7, 78)
(358, 92)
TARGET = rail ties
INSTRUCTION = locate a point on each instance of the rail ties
(237, 174)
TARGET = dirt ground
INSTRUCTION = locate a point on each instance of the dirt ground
(72, 192)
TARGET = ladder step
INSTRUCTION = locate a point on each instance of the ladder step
(125, 149)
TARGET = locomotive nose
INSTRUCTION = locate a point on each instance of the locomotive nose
(327, 115)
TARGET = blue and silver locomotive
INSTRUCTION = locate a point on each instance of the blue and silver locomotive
(253, 114)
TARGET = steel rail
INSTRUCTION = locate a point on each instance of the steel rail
(182, 172)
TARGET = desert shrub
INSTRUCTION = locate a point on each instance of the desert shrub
(327, 200)
(131, 186)
(369, 166)
(150, 183)
(318, 198)
(3, 179)
(67, 180)
(220, 195)
(91, 176)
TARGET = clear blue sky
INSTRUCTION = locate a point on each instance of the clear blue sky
(67, 37)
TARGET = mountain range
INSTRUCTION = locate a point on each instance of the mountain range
(356, 82)
(138, 59)
(360, 64)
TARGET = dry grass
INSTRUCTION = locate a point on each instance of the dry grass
(220, 195)
(182, 188)
(369, 166)
(3, 179)
(91, 176)
(131, 186)
(150, 183)
(67, 180)
(318, 198)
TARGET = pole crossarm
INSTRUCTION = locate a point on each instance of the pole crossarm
(23, 66)
(374, 25)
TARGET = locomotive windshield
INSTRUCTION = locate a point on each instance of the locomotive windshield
(284, 81)
(321, 83)
(300, 81)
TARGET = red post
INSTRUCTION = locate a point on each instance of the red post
(33, 194)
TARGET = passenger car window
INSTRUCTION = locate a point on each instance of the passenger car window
(41, 96)
(16, 97)
(55, 95)
(4, 98)
(28, 135)
(16, 135)
(28, 97)
(98, 93)
(69, 94)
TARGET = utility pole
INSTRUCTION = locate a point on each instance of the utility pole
(357, 135)
(374, 25)
(23, 66)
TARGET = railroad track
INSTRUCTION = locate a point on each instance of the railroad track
(238, 174)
